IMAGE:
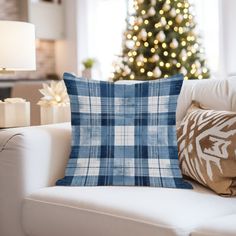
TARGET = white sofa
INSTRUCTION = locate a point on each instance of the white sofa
(33, 158)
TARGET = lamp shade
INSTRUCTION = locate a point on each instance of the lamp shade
(17, 46)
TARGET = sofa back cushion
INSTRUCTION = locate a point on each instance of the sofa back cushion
(213, 93)
(123, 134)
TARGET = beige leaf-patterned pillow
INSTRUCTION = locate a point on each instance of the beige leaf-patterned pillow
(207, 148)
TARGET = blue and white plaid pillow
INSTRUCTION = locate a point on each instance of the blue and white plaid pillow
(123, 134)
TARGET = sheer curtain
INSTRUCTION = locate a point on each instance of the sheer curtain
(106, 24)
(207, 15)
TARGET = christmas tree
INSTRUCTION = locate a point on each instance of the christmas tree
(161, 41)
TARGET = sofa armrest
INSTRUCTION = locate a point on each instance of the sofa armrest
(30, 158)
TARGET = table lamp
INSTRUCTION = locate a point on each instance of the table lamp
(17, 46)
(17, 53)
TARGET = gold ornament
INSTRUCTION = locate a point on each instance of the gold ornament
(130, 44)
(183, 70)
(174, 44)
(172, 13)
(127, 70)
(143, 34)
(179, 18)
(183, 53)
(163, 21)
(161, 36)
(157, 72)
(139, 20)
(153, 2)
(154, 58)
(198, 64)
(166, 7)
(151, 11)
(140, 58)
(140, 1)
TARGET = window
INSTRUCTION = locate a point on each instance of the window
(106, 24)
(207, 18)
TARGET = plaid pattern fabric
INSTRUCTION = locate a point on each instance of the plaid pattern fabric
(123, 134)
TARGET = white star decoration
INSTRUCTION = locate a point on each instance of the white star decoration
(54, 94)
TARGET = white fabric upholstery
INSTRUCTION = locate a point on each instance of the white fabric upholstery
(30, 158)
(133, 211)
(221, 226)
(33, 158)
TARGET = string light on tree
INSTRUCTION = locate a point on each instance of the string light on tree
(161, 41)
(164, 45)
(150, 74)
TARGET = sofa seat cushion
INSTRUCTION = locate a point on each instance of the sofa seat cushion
(222, 226)
(116, 211)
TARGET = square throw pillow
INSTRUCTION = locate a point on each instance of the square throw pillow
(207, 148)
(123, 135)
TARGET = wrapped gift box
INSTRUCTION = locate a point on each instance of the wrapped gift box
(14, 114)
(54, 114)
